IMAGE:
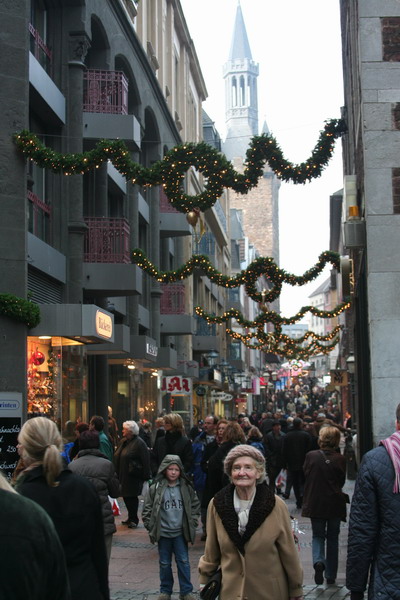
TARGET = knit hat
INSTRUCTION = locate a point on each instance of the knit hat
(241, 450)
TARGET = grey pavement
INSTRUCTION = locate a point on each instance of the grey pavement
(134, 561)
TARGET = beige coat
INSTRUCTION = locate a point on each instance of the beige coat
(270, 567)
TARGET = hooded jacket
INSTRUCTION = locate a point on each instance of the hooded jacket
(151, 515)
(373, 541)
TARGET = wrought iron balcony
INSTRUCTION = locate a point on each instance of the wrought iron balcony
(39, 50)
(204, 328)
(173, 299)
(39, 217)
(165, 204)
(107, 240)
(105, 92)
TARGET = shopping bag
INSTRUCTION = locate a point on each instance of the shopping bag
(281, 479)
(115, 506)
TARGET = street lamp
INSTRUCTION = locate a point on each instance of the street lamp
(350, 363)
(212, 357)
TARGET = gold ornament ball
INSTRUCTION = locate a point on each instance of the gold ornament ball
(192, 218)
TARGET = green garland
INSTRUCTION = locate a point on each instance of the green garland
(270, 316)
(20, 310)
(170, 171)
(262, 266)
(284, 345)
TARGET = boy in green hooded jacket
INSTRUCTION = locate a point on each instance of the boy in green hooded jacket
(170, 514)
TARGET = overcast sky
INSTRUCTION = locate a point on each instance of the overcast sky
(298, 48)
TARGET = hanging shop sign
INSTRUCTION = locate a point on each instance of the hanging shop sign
(339, 377)
(177, 385)
(104, 324)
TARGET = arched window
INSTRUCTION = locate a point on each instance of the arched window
(234, 92)
(242, 92)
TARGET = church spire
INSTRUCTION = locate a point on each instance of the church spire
(241, 104)
(240, 47)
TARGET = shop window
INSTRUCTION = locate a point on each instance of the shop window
(57, 380)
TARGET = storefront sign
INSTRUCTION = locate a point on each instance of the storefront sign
(10, 426)
(177, 385)
(151, 349)
(104, 325)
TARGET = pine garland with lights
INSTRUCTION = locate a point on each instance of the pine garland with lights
(284, 345)
(20, 310)
(262, 266)
(170, 171)
(270, 316)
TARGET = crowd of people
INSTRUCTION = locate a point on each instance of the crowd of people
(232, 474)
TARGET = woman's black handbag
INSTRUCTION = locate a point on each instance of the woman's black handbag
(211, 590)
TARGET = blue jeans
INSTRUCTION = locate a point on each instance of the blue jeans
(326, 529)
(179, 547)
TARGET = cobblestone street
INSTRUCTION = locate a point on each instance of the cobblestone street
(134, 561)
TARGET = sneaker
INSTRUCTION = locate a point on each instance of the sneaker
(330, 581)
(126, 522)
(187, 597)
(164, 597)
(319, 569)
(132, 525)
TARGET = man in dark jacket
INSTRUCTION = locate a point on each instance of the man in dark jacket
(273, 443)
(296, 444)
(32, 562)
(373, 542)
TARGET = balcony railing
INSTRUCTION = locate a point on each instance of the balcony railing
(107, 240)
(173, 299)
(204, 328)
(165, 204)
(39, 49)
(105, 92)
(39, 217)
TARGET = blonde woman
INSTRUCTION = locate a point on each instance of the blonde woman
(174, 441)
(71, 502)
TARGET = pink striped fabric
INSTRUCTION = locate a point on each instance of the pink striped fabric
(392, 445)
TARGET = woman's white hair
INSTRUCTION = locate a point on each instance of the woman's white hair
(132, 426)
(249, 451)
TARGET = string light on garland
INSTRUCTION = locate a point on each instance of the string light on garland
(171, 170)
(21, 310)
(262, 266)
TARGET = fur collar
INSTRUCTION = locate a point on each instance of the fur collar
(263, 503)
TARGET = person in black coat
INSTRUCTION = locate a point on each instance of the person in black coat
(96, 467)
(324, 502)
(373, 550)
(132, 464)
(216, 478)
(296, 444)
(273, 443)
(173, 442)
(72, 503)
(32, 561)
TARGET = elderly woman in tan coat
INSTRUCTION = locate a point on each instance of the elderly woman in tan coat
(249, 535)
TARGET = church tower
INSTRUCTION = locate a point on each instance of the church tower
(241, 105)
(259, 207)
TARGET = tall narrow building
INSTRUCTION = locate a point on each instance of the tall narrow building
(260, 205)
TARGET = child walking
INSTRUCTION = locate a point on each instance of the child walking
(170, 514)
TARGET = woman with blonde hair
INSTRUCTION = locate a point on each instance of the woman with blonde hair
(249, 535)
(324, 502)
(72, 503)
(216, 479)
(174, 441)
